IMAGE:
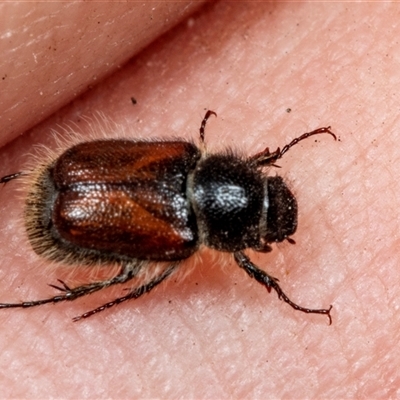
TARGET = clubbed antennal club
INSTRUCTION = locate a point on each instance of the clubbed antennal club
(265, 157)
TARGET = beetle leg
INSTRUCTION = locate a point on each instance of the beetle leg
(203, 124)
(128, 272)
(272, 283)
(133, 294)
(266, 158)
(10, 177)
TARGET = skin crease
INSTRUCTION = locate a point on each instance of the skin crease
(217, 333)
(52, 53)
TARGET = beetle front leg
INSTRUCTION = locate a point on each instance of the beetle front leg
(266, 158)
(203, 125)
(272, 283)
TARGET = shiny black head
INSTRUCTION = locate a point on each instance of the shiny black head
(228, 202)
(282, 211)
(237, 207)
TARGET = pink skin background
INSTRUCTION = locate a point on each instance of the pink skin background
(216, 333)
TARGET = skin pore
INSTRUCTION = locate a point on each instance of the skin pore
(216, 333)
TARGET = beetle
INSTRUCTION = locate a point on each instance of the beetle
(136, 203)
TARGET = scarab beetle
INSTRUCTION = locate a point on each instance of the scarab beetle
(134, 203)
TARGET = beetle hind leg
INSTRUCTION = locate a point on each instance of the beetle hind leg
(128, 272)
(133, 293)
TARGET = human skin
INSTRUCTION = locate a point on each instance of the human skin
(216, 333)
(52, 52)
